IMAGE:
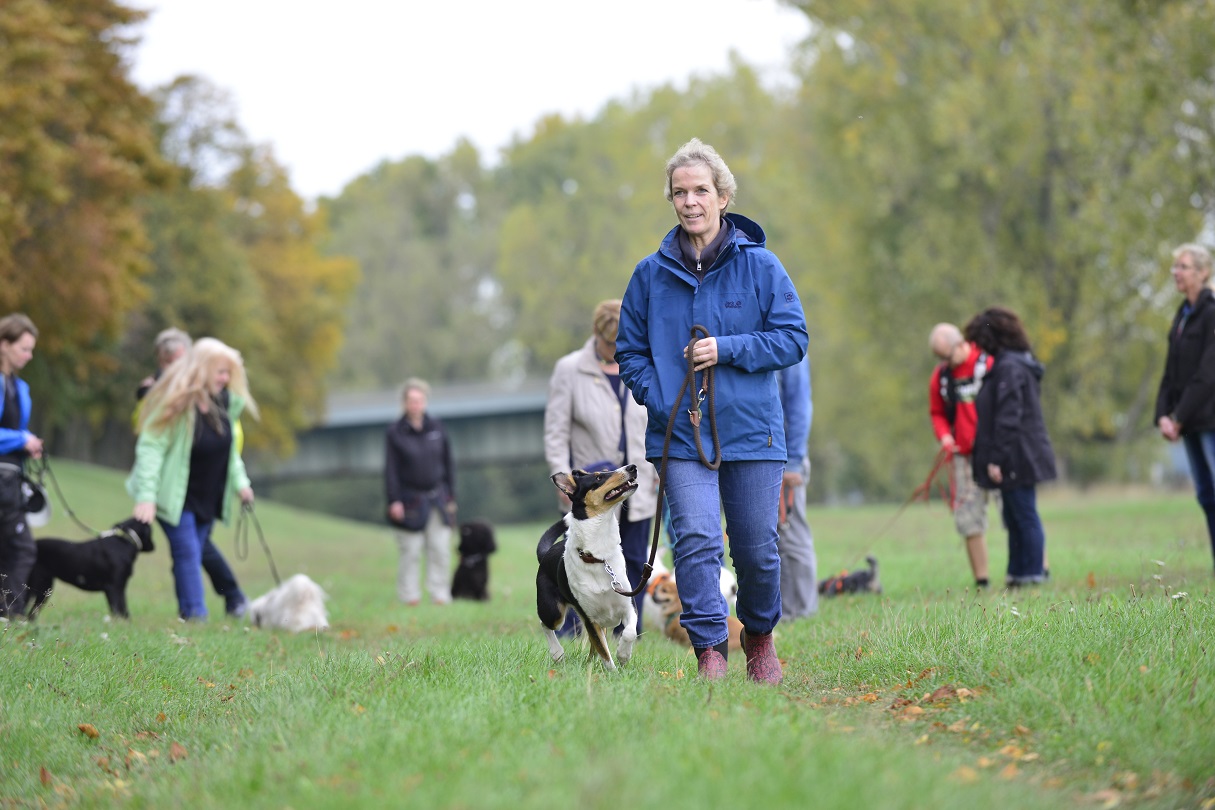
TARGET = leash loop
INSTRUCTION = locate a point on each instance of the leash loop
(240, 539)
(705, 391)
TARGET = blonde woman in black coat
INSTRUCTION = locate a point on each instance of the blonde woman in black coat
(1185, 404)
(1012, 451)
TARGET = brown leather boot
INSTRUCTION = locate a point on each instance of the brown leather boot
(711, 665)
(762, 664)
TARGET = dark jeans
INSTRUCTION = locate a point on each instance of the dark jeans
(1026, 537)
(17, 549)
(1200, 448)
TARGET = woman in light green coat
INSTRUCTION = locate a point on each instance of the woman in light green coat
(187, 465)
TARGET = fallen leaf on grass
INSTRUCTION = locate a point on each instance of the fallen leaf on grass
(966, 775)
(177, 752)
(1107, 798)
(160, 718)
(900, 703)
(1009, 771)
(911, 711)
(1020, 730)
(134, 758)
(985, 762)
(147, 735)
(943, 693)
(89, 730)
(346, 635)
(1012, 751)
(1091, 579)
(44, 776)
(870, 698)
(923, 738)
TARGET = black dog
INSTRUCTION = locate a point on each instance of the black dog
(854, 582)
(471, 580)
(104, 563)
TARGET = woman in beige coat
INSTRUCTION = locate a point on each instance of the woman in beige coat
(592, 422)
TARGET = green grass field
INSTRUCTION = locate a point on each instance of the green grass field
(1097, 689)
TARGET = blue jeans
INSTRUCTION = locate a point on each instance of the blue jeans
(749, 493)
(1026, 537)
(191, 548)
(1200, 448)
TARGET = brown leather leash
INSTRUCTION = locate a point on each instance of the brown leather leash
(706, 392)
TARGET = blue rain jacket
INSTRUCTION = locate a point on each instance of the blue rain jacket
(748, 303)
(13, 441)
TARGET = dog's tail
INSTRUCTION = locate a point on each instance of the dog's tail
(551, 536)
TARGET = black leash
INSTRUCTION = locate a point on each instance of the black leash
(44, 469)
(705, 392)
(240, 539)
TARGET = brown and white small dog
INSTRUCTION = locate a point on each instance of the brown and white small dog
(663, 599)
(581, 564)
(296, 605)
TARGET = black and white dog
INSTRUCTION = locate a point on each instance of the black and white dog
(104, 563)
(581, 564)
(471, 580)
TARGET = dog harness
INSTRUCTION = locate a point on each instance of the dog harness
(126, 534)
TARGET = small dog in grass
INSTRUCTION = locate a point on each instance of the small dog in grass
(104, 563)
(471, 579)
(864, 581)
(296, 605)
(663, 599)
(581, 564)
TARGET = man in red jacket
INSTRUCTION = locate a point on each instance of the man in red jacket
(951, 403)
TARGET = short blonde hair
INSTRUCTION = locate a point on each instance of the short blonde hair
(697, 153)
(605, 323)
(1200, 255)
(414, 384)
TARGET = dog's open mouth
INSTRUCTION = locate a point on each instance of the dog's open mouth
(627, 488)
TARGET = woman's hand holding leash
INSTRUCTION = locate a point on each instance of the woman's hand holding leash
(704, 353)
(246, 495)
(144, 511)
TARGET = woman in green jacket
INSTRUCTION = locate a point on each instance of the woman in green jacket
(187, 466)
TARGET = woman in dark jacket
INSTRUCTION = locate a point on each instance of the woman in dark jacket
(1185, 405)
(1012, 451)
(420, 484)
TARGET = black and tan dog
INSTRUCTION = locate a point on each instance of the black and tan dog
(864, 581)
(471, 580)
(104, 563)
(581, 563)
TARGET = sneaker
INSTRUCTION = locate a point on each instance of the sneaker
(762, 664)
(711, 665)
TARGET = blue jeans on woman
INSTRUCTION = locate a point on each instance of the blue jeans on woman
(1026, 537)
(191, 548)
(749, 494)
(1200, 448)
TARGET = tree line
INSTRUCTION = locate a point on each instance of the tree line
(931, 158)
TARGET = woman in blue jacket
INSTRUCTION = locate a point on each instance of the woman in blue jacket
(712, 270)
(17, 550)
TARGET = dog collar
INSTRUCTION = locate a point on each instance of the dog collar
(126, 534)
(587, 557)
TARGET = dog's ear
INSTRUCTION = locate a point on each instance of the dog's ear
(565, 484)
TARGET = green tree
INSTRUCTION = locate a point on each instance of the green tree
(76, 152)
(1033, 154)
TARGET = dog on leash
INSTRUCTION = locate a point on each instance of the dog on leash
(296, 605)
(471, 580)
(863, 581)
(104, 564)
(581, 564)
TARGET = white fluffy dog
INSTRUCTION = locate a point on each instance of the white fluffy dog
(298, 604)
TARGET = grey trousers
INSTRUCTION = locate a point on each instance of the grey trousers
(436, 540)
(798, 563)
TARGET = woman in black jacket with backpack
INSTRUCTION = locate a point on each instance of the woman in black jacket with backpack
(1012, 451)
(1185, 404)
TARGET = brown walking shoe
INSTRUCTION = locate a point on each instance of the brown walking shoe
(711, 665)
(762, 664)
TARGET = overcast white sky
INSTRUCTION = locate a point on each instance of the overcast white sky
(337, 87)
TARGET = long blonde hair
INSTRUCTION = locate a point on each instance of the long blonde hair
(183, 385)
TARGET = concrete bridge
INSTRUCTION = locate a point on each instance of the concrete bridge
(497, 438)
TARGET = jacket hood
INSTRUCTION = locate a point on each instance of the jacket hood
(1028, 360)
(746, 232)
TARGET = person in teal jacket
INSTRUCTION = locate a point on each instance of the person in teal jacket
(17, 550)
(713, 270)
(187, 464)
